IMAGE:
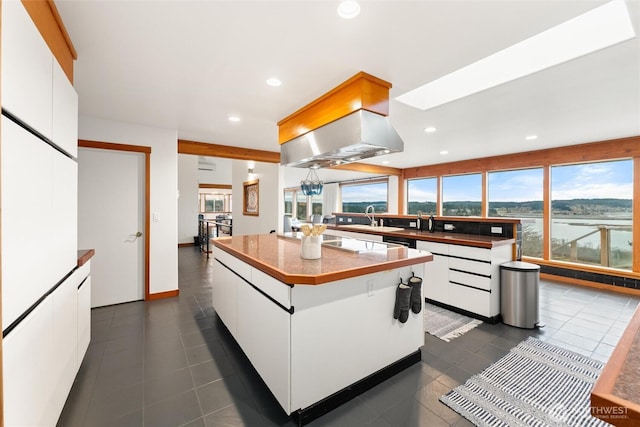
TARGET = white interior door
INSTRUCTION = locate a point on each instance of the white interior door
(111, 187)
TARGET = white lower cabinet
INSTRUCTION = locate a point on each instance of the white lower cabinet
(471, 299)
(65, 343)
(465, 277)
(436, 281)
(264, 333)
(84, 318)
(28, 369)
(42, 354)
(224, 291)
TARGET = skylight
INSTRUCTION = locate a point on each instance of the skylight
(597, 29)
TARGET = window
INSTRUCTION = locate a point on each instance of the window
(316, 205)
(518, 194)
(591, 213)
(288, 202)
(357, 196)
(462, 195)
(422, 195)
(301, 206)
(213, 202)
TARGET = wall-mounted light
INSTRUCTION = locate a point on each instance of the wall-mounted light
(250, 166)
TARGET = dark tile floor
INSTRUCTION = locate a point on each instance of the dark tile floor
(172, 363)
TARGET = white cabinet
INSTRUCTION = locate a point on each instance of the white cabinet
(42, 354)
(28, 369)
(264, 333)
(436, 280)
(27, 90)
(26, 168)
(65, 344)
(224, 290)
(260, 326)
(61, 225)
(64, 112)
(39, 213)
(34, 88)
(465, 277)
(84, 318)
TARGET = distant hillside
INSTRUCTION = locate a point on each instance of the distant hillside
(471, 208)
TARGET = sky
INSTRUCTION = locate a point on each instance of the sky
(584, 181)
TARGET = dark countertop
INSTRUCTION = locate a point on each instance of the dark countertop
(279, 257)
(438, 236)
(85, 255)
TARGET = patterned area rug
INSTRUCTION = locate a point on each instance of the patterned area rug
(446, 324)
(535, 384)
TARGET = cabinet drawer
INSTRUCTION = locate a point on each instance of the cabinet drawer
(433, 247)
(470, 252)
(470, 266)
(470, 299)
(476, 281)
(234, 264)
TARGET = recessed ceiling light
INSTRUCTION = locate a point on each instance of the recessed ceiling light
(386, 162)
(274, 81)
(430, 129)
(234, 118)
(348, 9)
(443, 152)
(597, 29)
(531, 137)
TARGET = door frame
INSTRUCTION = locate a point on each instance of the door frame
(83, 143)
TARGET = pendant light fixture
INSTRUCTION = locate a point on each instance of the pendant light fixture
(311, 185)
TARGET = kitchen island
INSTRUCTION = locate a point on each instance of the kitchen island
(320, 331)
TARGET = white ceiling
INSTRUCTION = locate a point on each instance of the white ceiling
(188, 65)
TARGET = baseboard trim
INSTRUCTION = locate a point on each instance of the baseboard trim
(184, 245)
(589, 284)
(166, 294)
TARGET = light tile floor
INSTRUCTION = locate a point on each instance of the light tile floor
(172, 363)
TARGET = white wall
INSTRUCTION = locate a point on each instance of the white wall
(221, 174)
(188, 208)
(163, 253)
(271, 204)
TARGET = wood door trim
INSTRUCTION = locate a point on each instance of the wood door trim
(82, 143)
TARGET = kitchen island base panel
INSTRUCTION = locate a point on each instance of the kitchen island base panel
(343, 331)
(305, 416)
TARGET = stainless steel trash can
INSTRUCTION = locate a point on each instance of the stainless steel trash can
(519, 294)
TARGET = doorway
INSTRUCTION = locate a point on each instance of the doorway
(113, 211)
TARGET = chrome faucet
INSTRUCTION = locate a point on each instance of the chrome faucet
(372, 217)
